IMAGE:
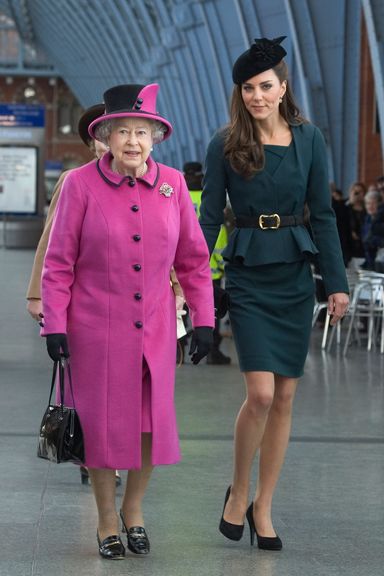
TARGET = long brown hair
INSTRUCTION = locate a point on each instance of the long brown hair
(242, 145)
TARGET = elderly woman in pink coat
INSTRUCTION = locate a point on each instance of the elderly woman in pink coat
(121, 223)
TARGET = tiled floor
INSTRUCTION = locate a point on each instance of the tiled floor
(329, 505)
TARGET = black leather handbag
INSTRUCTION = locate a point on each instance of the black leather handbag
(61, 435)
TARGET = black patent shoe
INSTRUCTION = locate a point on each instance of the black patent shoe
(231, 531)
(263, 542)
(217, 357)
(111, 547)
(137, 539)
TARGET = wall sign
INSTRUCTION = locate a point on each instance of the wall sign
(18, 179)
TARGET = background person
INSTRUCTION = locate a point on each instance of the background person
(342, 222)
(356, 215)
(34, 303)
(270, 162)
(120, 225)
(193, 173)
(372, 232)
(380, 187)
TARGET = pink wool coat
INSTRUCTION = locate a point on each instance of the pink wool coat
(106, 285)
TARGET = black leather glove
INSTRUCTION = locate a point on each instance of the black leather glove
(57, 346)
(201, 342)
(221, 300)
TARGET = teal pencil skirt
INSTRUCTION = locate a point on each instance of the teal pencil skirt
(271, 309)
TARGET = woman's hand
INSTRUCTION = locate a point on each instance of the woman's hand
(201, 342)
(57, 346)
(337, 306)
(35, 308)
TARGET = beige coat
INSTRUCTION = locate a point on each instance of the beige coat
(34, 290)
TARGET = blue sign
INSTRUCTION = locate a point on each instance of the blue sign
(53, 165)
(16, 115)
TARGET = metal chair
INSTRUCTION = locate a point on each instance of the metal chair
(353, 278)
(367, 302)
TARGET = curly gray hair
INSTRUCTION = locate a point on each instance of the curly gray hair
(372, 195)
(104, 129)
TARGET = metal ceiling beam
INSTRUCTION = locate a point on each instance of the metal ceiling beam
(155, 63)
(307, 55)
(189, 47)
(76, 50)
(30, 60)
(374, 20)
(20, 14)
(350, 100)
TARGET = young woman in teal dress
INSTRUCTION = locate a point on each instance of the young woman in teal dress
(270, 162)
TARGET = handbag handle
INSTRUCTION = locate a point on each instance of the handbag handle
(61, 363)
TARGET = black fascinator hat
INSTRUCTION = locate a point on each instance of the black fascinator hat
(261, 56)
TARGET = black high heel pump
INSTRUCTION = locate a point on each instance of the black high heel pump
(263, 542)
(231, 531)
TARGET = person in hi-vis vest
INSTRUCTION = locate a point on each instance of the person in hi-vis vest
(193, 175)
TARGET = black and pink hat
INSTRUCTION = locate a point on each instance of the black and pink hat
(131, 100)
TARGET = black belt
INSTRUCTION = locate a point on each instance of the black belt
(268, 221)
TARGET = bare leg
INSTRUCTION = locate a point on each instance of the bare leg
(249, 430)
(272, 452)
(137, 482)
(103, 485)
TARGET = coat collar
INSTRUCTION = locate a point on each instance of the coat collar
(150, 178)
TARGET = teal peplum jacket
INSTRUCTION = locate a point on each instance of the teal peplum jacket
(301, 178)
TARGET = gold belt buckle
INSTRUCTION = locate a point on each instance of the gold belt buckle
(261, 221)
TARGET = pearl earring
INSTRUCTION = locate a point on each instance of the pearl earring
(280, 99)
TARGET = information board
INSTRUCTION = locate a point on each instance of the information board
(18, 179)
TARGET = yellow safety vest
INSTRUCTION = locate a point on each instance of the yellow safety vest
(216, 262)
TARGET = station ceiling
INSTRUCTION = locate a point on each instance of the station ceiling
(189, 46)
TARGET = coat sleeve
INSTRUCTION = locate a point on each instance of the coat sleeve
(191, 263)
(213, 200)
(34, 287)
(61, 255)
(323, 221)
